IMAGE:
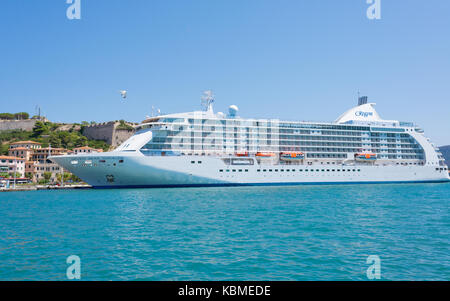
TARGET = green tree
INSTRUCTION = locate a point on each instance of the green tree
(66, 138)
(81, 141)
(4, 149)
(40, 128)
(21, 116)
(55, 140)
(75, 179)
(15, 135)
(124, 126)
(42, 181)
(16, 175)
(47, 176)
(66, 177)
(6, 116)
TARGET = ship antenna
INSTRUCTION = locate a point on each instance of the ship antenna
(207, 100)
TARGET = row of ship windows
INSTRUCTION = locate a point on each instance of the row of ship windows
(268, 134)
(416, 153)
(231, 123)
(212, 135)
(215, 140)
(221, 132)
(276, 124)
(151, 146)
(265, 126)
(258, 140)
(291, 170)
(322, 142)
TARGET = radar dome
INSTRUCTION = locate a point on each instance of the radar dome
(220, 114)
(232, 110)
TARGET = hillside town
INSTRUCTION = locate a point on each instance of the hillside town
(28, 160)
(26, 143)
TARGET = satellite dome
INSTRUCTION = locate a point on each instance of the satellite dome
(220, 114)
(232, 110)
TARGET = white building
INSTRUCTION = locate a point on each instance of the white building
(10, 165)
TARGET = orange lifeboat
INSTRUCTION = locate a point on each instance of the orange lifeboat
(242, 154)
(264, 155)
(365, 157)
(292, 156)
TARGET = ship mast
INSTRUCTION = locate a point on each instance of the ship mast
(207, 100)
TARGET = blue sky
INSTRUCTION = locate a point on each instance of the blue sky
(294, 60)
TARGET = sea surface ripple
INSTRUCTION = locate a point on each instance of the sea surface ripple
(233, 233)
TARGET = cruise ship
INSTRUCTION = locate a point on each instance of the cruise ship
(204, 148)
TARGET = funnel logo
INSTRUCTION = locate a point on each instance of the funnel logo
(363, 114)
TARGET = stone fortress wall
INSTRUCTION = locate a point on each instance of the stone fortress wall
(108, 132)
(24, 125)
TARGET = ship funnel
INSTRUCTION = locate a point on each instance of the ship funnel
(362, 100)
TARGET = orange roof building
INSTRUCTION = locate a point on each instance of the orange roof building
(21, 152)
(86, 150)
(25, 144)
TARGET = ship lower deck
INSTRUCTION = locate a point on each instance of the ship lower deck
(112, 170)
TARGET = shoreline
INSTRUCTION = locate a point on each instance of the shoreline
(45, 187)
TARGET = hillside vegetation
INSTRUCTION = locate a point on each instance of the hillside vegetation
(14, 116)
(48, 133)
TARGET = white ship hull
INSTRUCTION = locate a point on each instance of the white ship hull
(115, 169)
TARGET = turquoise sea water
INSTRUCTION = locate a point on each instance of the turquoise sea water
(233, 233)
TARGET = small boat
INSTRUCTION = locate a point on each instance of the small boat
(264, 155)
(365, 157)
(292, 156)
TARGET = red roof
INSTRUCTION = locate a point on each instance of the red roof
(11, 158)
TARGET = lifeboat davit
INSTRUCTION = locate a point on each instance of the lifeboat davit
(365, 157)
(265, 155)
(292, 156)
